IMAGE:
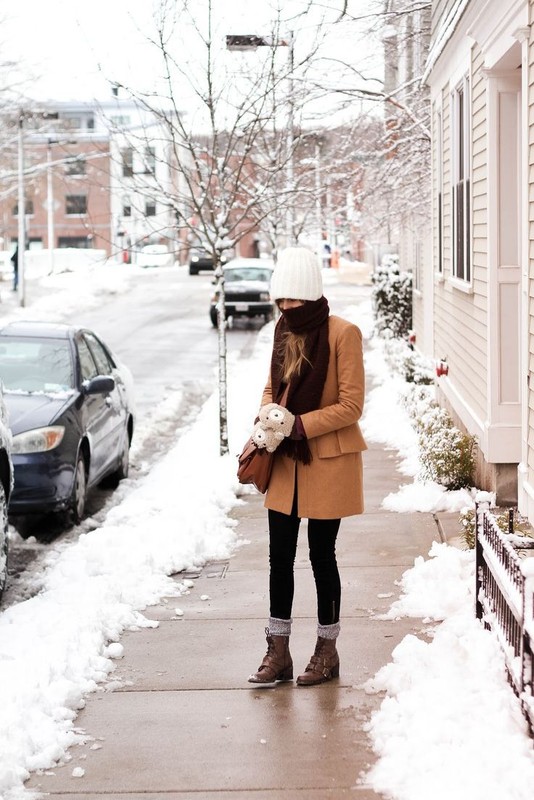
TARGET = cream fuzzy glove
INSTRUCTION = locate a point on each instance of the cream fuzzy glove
(266, 438)
(277, 418)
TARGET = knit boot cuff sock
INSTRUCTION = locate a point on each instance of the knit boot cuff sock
(328, 631)
(279, 627)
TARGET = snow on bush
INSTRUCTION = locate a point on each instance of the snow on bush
(392, 298)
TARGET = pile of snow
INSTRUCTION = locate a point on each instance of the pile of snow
(450, 726)
(60, 644)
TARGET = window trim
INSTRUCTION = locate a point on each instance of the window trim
(461, 183)
(440, 182)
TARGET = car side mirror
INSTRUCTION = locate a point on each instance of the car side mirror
(100, 385)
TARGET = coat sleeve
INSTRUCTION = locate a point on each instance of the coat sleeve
(343, 399)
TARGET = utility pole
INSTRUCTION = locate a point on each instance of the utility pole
(22, 213)
(50, 206)
(290, 218)
(318, 210)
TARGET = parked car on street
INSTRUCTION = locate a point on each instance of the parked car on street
(246, 290)
(71, 413)
(200, 259)
(6, 482)
(155, 255)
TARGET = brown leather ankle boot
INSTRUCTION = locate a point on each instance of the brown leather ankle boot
(323, 666)
(277, 664)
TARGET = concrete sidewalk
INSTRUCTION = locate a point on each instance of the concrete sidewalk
(186, 724)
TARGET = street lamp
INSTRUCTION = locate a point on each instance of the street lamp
(244, 42)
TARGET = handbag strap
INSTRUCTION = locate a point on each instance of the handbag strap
(283, 399)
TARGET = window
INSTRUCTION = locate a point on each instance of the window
(87, 363)
(120, 120)
(28, 208)
(126, 211)
(150, 161)
(76, 204)
(72, 122)
(83, 242)
(461, 183)
(127, 162)
(36, 365)
(76, 167)
(150, 208)
(99, 354)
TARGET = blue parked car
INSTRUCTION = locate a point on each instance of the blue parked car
(71, 413)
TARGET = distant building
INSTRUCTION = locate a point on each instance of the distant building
(97, 175)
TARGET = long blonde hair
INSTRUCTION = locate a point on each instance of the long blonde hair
(293, 356)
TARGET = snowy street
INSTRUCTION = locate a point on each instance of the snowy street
(446, 703)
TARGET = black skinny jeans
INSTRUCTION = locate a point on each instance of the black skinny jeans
(283, 536)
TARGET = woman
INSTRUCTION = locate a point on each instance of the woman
(317, 471)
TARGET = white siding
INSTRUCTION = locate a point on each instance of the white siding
(460, 317)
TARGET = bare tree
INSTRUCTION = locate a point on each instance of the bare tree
(392, 125)
(230, 148)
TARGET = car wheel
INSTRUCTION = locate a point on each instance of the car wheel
(193, 271)
(213, 317)
(3, 539)
(112, 480)
(79, 491)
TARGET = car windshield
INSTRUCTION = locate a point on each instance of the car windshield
(248, 274)
(35, 365)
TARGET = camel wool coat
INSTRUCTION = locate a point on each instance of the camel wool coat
(332, 485)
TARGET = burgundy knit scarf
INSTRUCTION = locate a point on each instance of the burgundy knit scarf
(306, 388)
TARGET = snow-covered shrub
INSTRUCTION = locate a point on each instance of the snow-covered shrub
(418, 369)
(467, 522)
(401, 357)
(392, 298)
(395, 351)
(447, 455)
(468, 527)
(417, 399)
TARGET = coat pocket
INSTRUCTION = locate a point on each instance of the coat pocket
(337, 443)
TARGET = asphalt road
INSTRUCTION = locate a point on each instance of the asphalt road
(160, 328)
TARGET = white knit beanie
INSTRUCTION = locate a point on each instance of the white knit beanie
(297, 275)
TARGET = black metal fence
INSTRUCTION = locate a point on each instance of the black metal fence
(505, 600)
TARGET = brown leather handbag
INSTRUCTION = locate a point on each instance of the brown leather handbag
(254, 464)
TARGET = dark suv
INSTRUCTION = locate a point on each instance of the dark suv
(246, 290)
(200, 258)
(6, 480)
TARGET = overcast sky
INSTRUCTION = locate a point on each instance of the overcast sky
(74, 48)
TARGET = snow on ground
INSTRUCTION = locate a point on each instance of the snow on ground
(55, 647)
(449, 725)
